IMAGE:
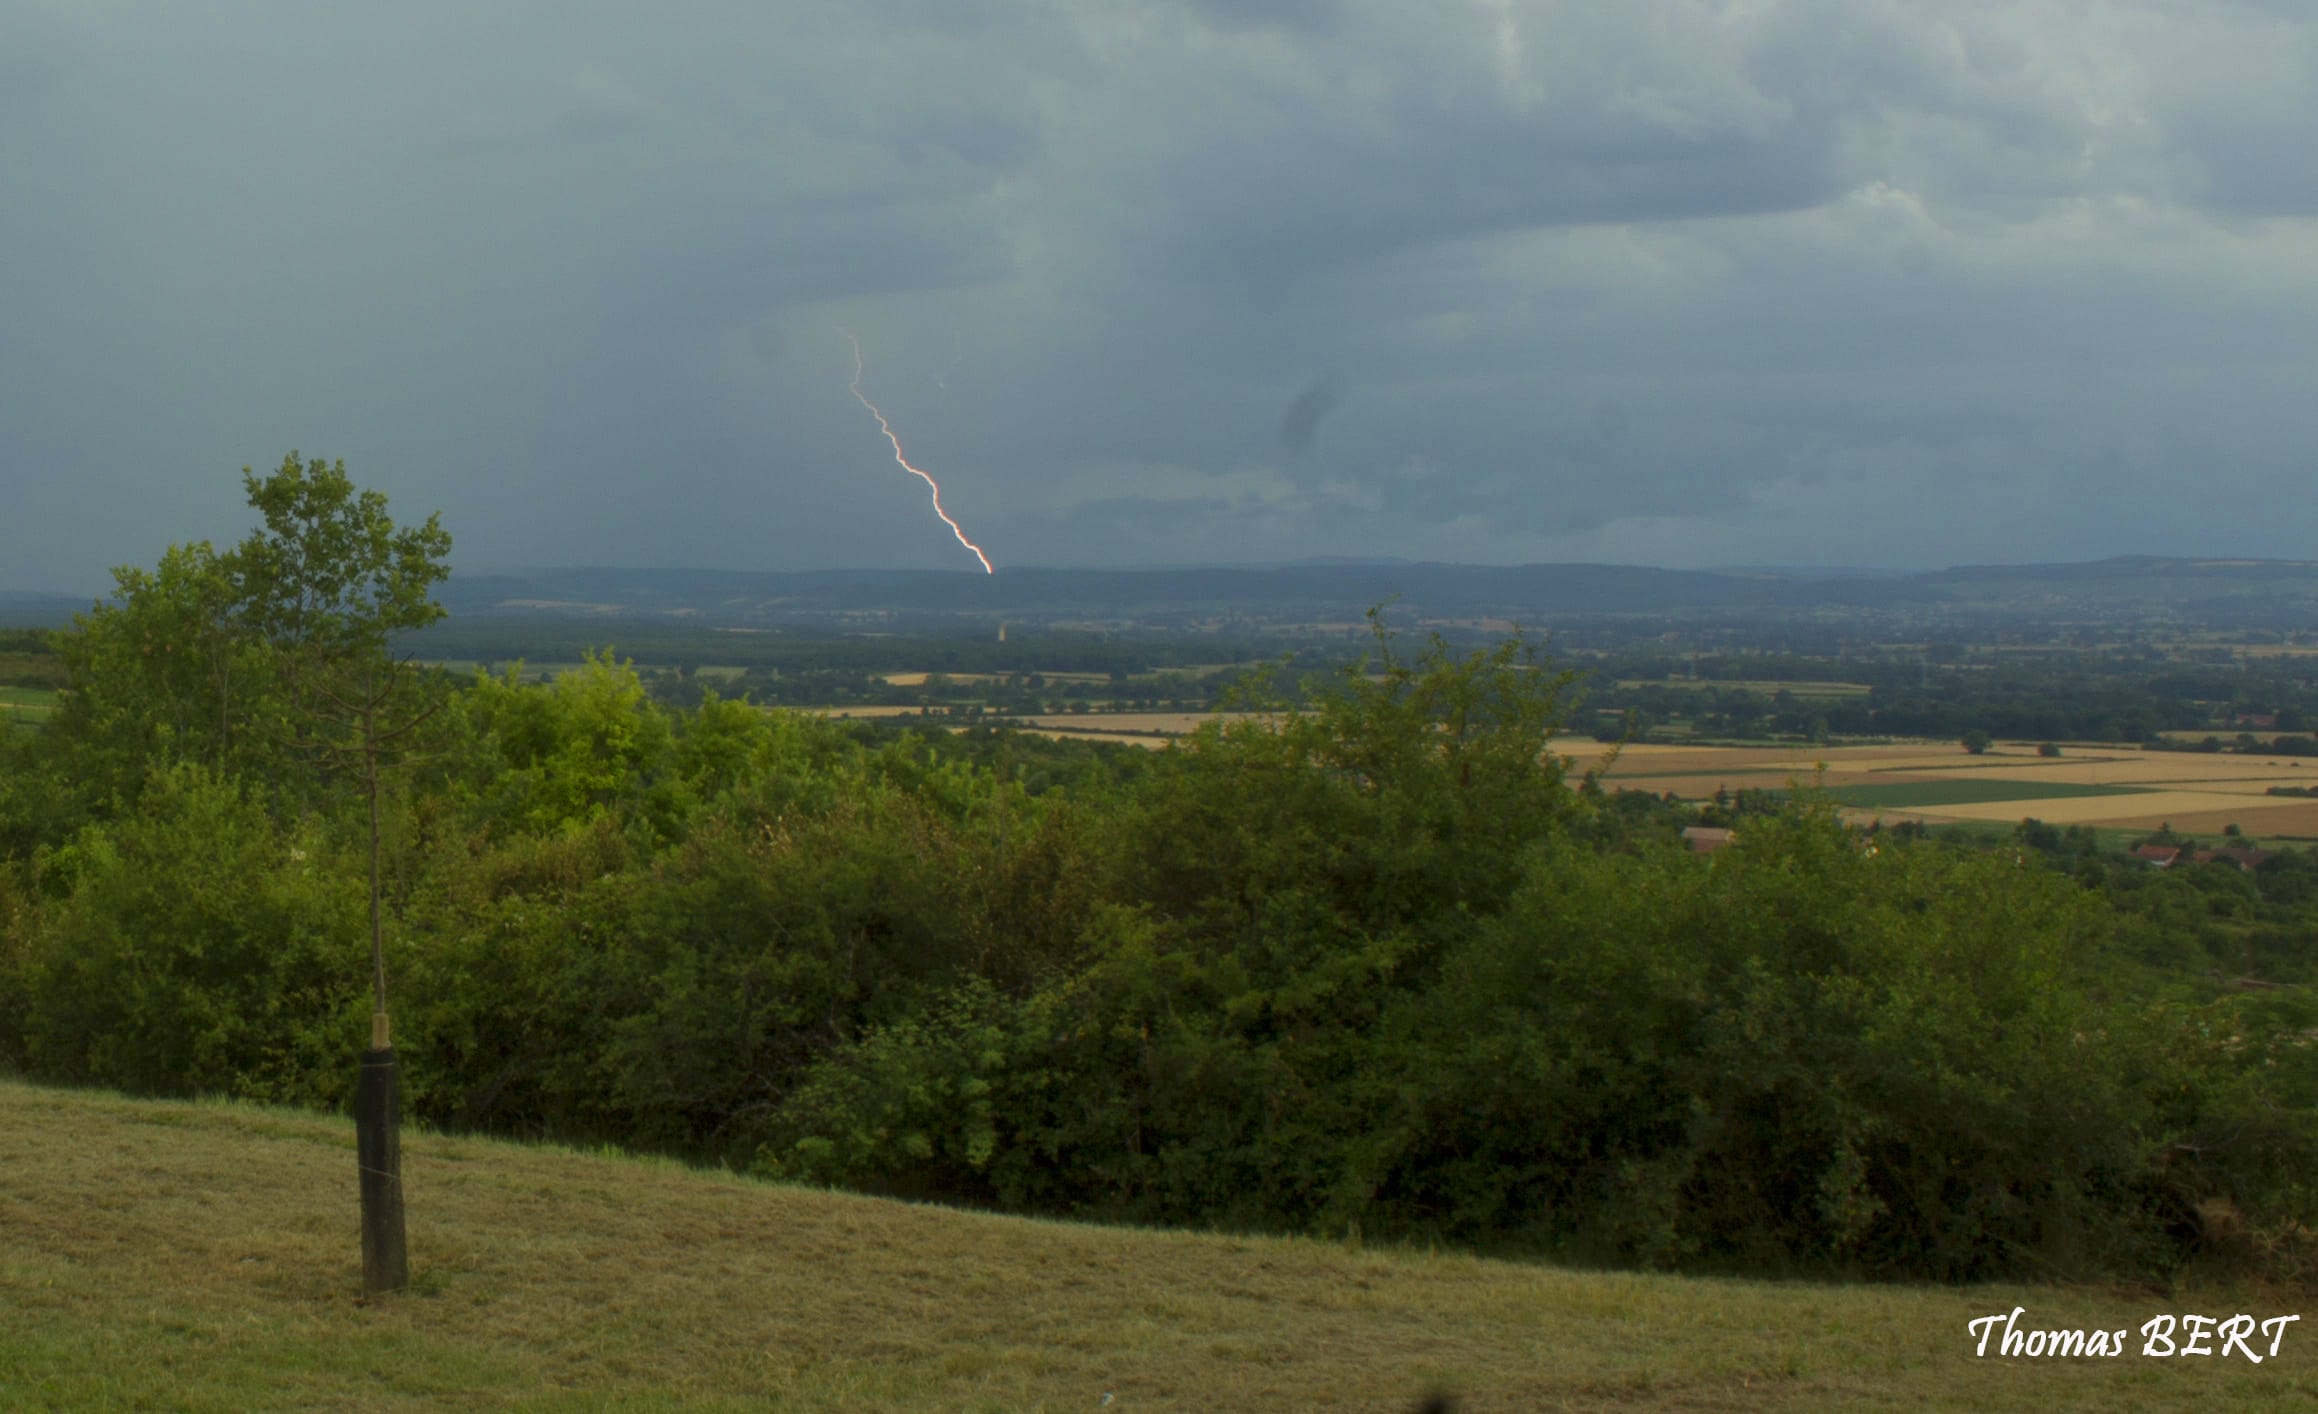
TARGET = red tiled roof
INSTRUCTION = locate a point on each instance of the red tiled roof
(1705, 839)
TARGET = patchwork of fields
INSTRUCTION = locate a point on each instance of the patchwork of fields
(1935, 783)
(2118, 787)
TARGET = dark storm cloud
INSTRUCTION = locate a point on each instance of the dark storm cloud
(1233, 15)
(1667, 280)
(1301, 421)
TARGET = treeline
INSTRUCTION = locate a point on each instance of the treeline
(28, 658)
(773, 653)
(1373, 966)
(2245, 744)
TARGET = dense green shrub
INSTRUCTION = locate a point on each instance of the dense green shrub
(192, 947)
(1802, 1050)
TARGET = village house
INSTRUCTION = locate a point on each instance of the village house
(1705, 839)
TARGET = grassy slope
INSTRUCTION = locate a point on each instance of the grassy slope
(203, 1256)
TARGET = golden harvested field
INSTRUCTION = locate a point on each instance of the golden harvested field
(1146, 729)
(919, 679)
(2195, 793)
(2127, 811)
(1148, 741)
(158, 1255)
(1151, 723)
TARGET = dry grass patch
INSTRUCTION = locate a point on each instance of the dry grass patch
(1141, 739)
(1149, 723)
(918, 679)
(204, 1257)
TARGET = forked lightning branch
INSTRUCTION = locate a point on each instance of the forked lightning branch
(887, 428)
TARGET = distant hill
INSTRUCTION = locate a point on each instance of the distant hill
(2133, 591)
(35, 610)
(2280, 594)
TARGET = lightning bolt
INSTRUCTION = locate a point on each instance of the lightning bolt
(887, 428)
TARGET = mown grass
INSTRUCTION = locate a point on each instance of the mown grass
(204, 1257)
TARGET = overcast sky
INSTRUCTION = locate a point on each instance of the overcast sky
(1884, 282)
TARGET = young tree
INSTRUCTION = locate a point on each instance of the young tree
(325, 586)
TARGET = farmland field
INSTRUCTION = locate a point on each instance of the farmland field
(918, 679)
(1151, 729)
(1939, 783)
(26, 705)
(1953, 791)
(2119, 787)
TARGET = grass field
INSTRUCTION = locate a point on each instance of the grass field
(25, 706)
(204, 1257)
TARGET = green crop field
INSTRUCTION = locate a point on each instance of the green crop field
(1906, 795)
(26, 705)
